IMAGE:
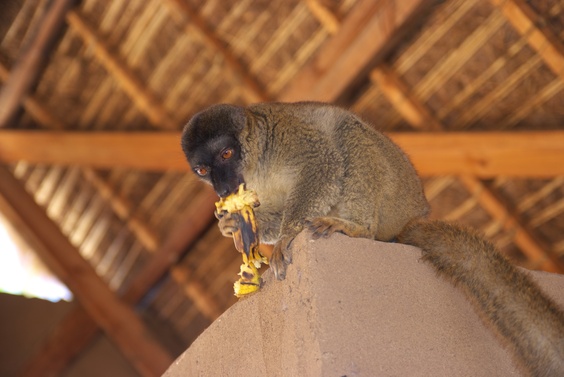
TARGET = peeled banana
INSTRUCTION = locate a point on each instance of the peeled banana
(245, 238)
(249, 280)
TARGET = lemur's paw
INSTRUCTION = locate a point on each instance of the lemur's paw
(229, 223)
(281, 257)
(325, 226)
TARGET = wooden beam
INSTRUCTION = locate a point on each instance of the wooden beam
(32, 60)
(77, 329)
(329, 21)
(120, 205)
(62, 346)
(419, 116)
(484, 154)
(399, 95)
(38, 112)
(189, 227)
(157, 151)
(117, 320)
(65, 342)
(123, 209)
(145, 101)
(365, 36)
(489, 201)
(189, 18)
(541, 38)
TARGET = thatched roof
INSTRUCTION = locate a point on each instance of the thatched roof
(97, 74)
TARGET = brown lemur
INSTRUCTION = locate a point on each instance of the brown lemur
(317, 166)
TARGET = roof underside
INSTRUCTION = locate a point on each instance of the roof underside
(451, 66)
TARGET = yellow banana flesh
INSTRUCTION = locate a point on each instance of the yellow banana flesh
(249, 280)
(245, 238)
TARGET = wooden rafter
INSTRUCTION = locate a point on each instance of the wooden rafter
(364, 37)
(525, 20)
(104, 53)
(153, 108)
(65, 342)
(415, 112)
(158, 151)
(397, 92)
(123, 209)
(183, 162)
(145, 101)
(117, 319)
(193, 222)
(36, 110)
(484, 154)
(78, 329)
(184, 14)
(542, 39)
(329, 21)
(523, 238)
(31, 62)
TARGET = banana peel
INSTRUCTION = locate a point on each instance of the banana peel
(246, 238)
(249, 280)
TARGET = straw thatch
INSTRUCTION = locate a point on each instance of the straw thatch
(149, 65)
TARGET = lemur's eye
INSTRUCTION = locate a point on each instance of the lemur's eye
(227, 153)
(201, 171)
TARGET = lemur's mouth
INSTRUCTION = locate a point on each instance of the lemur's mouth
(233, 188)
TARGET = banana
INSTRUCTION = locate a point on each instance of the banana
(249, 281)
(245, 238)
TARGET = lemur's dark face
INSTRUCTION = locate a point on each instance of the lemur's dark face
(210, 143)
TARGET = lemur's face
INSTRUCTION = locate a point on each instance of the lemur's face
(212, 149)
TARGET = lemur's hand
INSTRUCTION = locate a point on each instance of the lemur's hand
(229, 223)
(281, 257)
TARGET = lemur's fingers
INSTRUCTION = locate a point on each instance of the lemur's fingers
(320, 228)
(229, 224)
(278, 264)
(281, 257)
(237, 220)
(326, 226)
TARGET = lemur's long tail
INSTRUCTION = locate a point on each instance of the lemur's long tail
(529, 320)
